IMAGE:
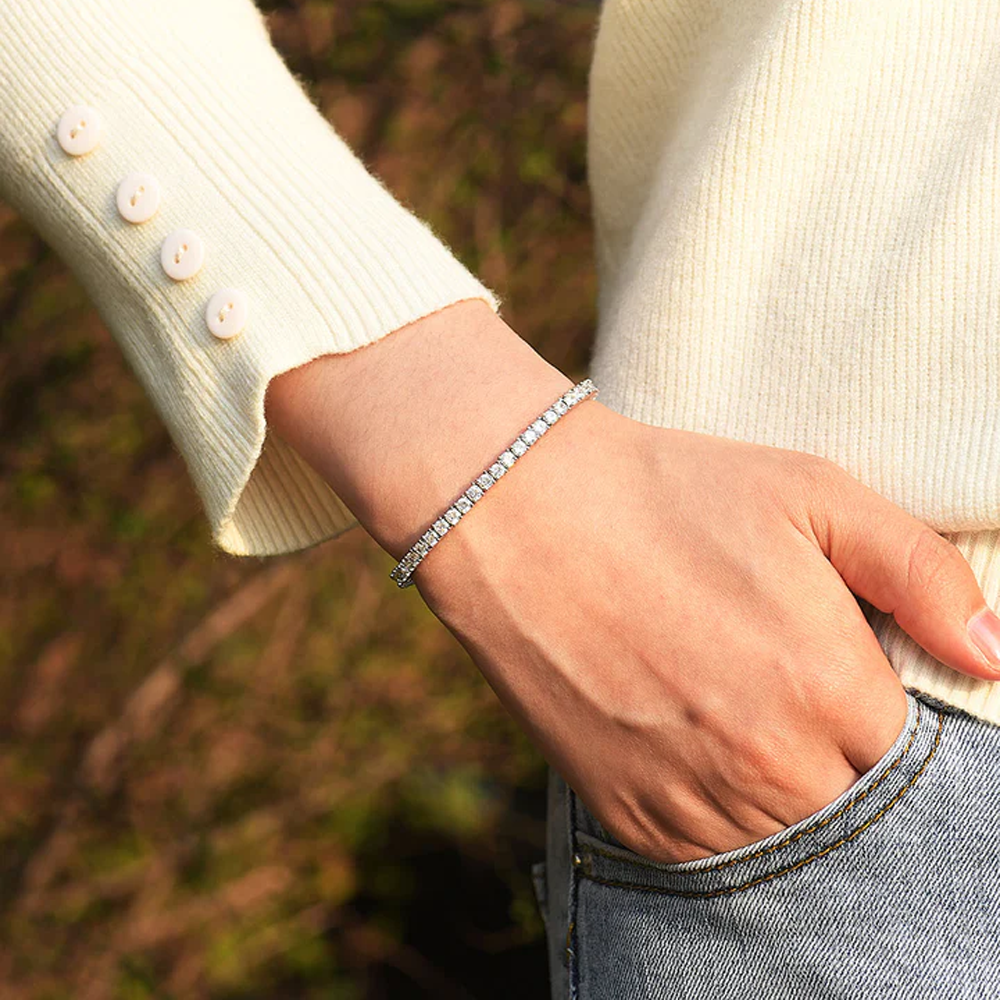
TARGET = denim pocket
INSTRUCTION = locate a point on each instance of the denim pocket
(866, 803)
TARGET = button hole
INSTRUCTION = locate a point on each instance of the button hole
(139, 192)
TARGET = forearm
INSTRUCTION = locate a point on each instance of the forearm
(327, 259)
(400, 427)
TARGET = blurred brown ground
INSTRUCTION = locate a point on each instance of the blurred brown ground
(277, 778)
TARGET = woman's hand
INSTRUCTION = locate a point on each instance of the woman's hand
(668, 615)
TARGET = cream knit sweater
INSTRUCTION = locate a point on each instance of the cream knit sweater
(797, 234)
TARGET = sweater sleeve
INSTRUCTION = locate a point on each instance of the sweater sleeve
(193, 93)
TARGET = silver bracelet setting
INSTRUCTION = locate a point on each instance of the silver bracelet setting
(455, 511)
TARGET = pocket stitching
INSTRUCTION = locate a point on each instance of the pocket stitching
(661, 890)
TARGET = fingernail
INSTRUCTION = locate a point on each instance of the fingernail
(984, 630)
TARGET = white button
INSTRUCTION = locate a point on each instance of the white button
(182, 254)
(226, 313)
(79, 129)
(138, 197)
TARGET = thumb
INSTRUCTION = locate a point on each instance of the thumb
(905, 568)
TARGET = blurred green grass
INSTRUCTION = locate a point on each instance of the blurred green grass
(277, 778)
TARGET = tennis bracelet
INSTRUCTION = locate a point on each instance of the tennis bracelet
(449, 517)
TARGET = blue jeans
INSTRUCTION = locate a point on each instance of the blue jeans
(891, 890)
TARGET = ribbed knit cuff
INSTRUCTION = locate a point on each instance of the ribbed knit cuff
(194, 93)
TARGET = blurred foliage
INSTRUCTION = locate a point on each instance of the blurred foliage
(277, 778)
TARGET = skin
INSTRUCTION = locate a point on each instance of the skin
(670, 616)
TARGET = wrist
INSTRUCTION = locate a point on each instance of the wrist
(541, 516)
(400, 427)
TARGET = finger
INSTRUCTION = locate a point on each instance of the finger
(905, 568)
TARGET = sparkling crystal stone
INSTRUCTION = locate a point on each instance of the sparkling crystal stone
(560, 407)
(453, 516)
(474, 493)
(497, 469)
(441, 526)
(422, 547)
(569, 399)
(430, 538)
(539, 427)
(464, 504)
(508, 458)
(550, 417)
(485, 481)
(519, 447)
(529, 436)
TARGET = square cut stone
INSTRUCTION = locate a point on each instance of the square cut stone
(539, 427)
(570, 398)
(485, 481)
(519, 447)
(474, 493)
(550, 417)
(422, 547)
(453, 516)
(507, 459)
(464, 504)
(529, 436)
(441, 526)
(497, 470)
(560, 407)
(430, 538)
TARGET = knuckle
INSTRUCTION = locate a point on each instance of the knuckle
(640, 837)
(814, 470)
(759, 764)
(655, 849)
(806, 480)
(931, 559)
